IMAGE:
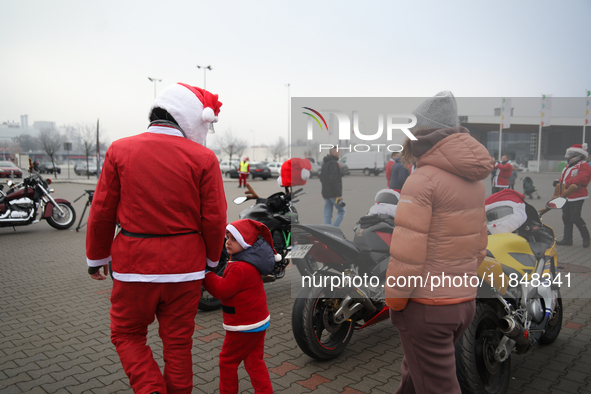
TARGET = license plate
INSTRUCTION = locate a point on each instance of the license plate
(298, 252)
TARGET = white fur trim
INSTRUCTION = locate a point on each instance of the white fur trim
(578, 150)
(186, 108)
(509, 223)
(212, 264)
(385, 209)
(305, 174)
(208, 115)
(277, 258)
(98, 263)
(237, 236)
(162, 278)
(164, 130)
(279, 181)
(247, 327)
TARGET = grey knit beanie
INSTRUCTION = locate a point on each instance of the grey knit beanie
(437, 112)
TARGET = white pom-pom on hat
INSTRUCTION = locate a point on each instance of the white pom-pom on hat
(208, 115)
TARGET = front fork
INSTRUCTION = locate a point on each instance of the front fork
(55, 204)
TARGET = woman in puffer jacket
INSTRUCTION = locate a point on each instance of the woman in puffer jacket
(439, 241)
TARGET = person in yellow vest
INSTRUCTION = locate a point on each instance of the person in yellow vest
(243, 171)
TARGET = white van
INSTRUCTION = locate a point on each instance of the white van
(366, 162)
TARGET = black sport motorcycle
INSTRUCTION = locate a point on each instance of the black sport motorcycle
(278, 213)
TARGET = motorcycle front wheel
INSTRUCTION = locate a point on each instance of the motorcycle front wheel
(65, 221)
(554, 325)
(476, 367)
(313, 327)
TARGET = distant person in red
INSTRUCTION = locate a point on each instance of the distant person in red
(244, 304)
(165, 190)
(573, 184)
(243, 172)
(502, 175)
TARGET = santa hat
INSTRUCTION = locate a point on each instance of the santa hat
(505, 211)
(580, 149)
(246, 232)
(191, 107)
(294, 172)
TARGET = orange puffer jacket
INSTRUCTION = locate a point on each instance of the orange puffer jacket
(440, 236)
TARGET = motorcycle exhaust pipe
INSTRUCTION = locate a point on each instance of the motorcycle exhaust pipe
(515, 331)
(359, 296)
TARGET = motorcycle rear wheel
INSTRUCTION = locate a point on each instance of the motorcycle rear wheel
(62, 222)
(314, 331)
(476, 367)
(554, 325)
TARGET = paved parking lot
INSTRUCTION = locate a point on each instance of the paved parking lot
(54, 320)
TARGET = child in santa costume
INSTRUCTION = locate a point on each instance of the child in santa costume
(166, 191)
(573, 184)
(244, 303)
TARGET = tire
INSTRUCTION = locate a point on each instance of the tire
(310, 311)
(65, 222)
(476, 368)
(228, 175)
(367, 172)
(554, 325)
(208, 302)
(265, 178)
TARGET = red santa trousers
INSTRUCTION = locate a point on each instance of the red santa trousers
(242, 179)
(133, 307)
(247, 347)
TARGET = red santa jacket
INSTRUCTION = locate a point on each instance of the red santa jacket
(241, 288)
(242, 294)
(157, 183)
(504, 171)
(580, 175)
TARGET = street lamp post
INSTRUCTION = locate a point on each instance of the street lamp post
(204, 71)
(154, 80)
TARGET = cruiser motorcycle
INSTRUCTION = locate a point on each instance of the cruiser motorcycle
(518, 303)
(278, 213)
(29, 201)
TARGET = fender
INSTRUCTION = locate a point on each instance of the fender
(49, 207)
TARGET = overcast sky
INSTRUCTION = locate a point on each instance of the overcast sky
(79, 61)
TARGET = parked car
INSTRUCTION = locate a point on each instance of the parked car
(9, 170)
(80, 168)
(315, 171)
(275, 168)
(46, 167)
(227, 165)
(257, 170)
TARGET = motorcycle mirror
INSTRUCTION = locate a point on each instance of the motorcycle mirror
(9, 183)
(240, 200)
(556, 203)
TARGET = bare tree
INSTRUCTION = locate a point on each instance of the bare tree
(51, 141)
(277, 149)
(230, 144)
(87, 134)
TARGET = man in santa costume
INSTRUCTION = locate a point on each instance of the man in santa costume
(573, 185)
(243, 171)
(164, 188)
(244, 303)
(503, 173)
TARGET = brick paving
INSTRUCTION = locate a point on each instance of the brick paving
(54, 321)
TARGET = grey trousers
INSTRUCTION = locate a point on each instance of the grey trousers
(428, 334)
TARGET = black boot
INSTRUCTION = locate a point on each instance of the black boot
(567, 240)
(585, 234)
